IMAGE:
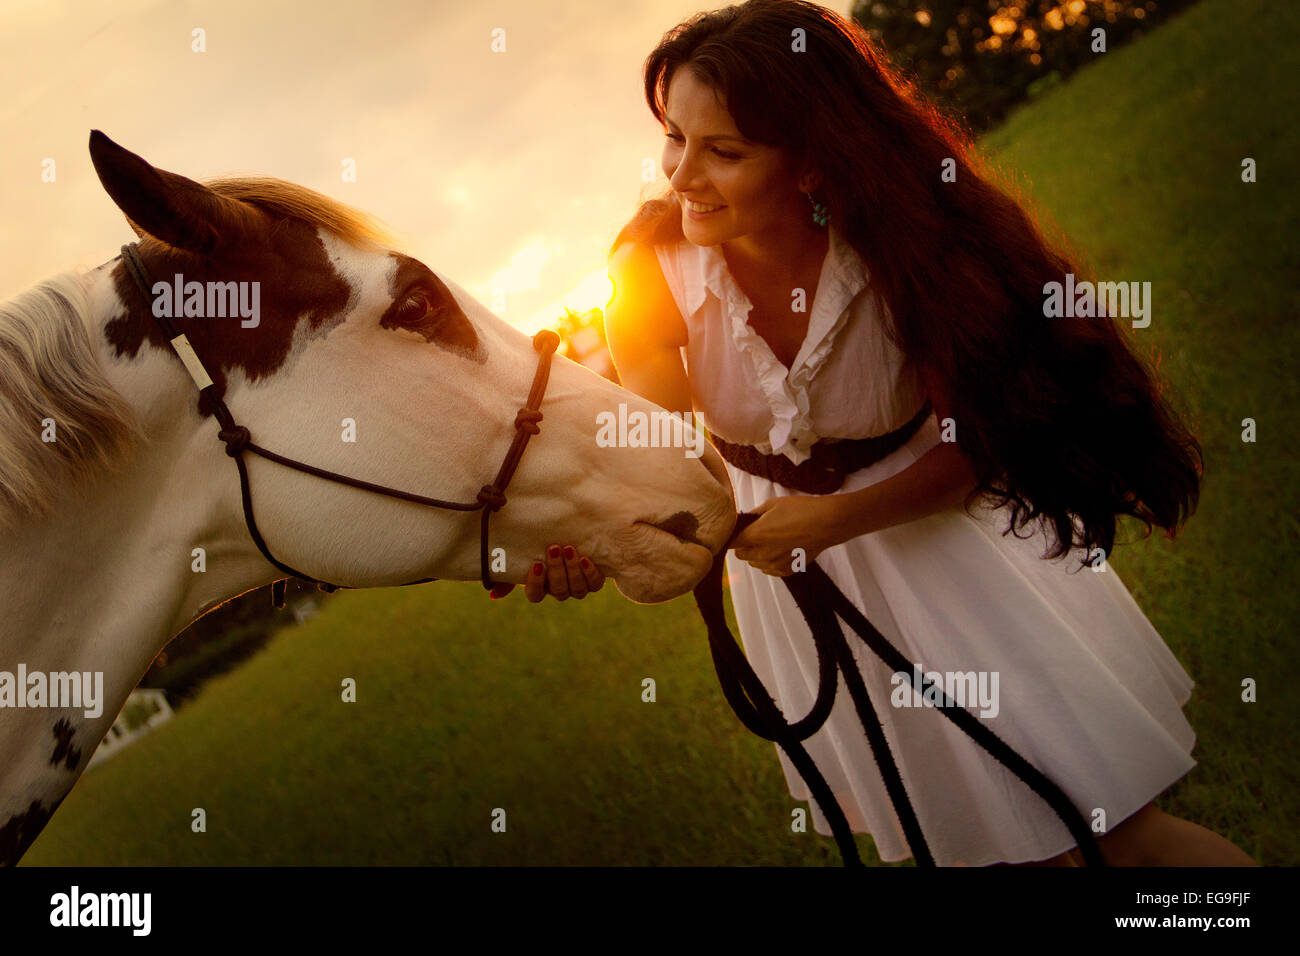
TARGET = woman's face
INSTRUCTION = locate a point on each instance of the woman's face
(709, 164)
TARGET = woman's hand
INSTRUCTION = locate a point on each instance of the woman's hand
(810, 522)
(564, 574)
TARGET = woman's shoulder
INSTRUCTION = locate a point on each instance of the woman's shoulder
(642, 264)
(643, 299)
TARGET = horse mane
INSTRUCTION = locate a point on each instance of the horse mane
(48, 370)
(283, 198)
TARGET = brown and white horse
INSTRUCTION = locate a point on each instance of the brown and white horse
(111, 473)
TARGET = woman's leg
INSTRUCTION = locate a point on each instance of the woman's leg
(1152, 837)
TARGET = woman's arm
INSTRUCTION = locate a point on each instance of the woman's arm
(645, 331)
(938, 480)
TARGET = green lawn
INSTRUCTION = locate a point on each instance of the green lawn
(465, 705)
(1139, 160)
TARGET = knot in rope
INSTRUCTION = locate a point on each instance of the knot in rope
(236, 439)
(526, 419)
(492, 497)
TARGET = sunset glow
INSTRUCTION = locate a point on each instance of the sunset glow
(592, 291)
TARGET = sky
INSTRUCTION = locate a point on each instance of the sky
(509, 171)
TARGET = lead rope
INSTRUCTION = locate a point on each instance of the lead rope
(491, 497)
(819, 601)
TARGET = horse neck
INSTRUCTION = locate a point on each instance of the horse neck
(109, 577)
(104, 581)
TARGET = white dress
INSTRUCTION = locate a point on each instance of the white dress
(1087, 691)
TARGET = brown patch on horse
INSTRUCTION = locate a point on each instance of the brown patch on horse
(298, 284)
(20, 832)
(63, 749)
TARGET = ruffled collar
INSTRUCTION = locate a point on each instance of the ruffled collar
(848, 275)
(844, 274)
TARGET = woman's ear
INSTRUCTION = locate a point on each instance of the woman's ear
(809, 180)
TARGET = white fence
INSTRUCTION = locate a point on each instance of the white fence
(143, 711)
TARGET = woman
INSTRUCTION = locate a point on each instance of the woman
(832, 265)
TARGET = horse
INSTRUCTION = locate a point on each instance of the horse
(120, 512)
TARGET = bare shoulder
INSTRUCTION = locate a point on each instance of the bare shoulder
(642, 307)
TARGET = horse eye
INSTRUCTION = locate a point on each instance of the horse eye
(428, 309)
(416, 306)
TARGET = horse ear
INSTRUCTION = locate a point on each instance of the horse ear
(182, 213)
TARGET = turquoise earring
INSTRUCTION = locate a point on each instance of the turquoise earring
(820, 212)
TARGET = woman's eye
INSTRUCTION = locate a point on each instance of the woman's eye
(720, 153)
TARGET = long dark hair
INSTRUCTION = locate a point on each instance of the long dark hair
(1059, 417)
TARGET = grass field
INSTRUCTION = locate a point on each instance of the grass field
(465, 705)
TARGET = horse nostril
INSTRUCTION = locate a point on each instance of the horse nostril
(682, 525)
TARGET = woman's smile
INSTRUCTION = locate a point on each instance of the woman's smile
(698, 210)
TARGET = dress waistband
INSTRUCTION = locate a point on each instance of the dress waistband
(830, 461)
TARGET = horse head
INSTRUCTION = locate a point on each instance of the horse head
(364, 361)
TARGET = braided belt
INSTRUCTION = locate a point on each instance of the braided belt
(830, 462)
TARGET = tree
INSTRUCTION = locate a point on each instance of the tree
(980, 58)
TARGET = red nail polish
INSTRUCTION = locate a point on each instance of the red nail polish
(553, 551)
(585, 563)
(537, 567)
(569, 552)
